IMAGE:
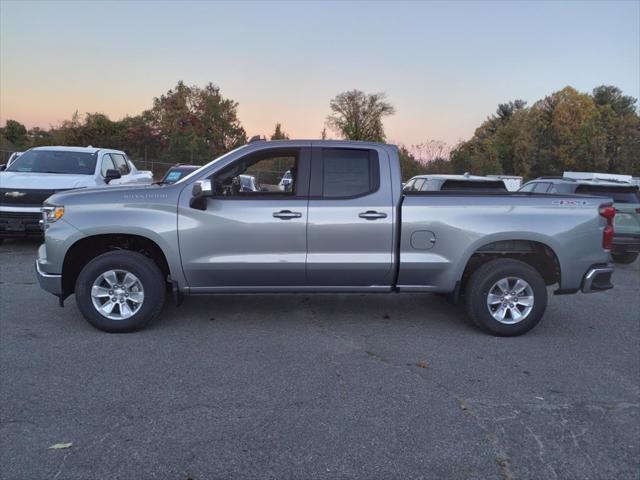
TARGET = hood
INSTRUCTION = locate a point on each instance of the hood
(137, 193)
(48, 181)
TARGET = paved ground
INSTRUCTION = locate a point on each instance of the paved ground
(317, 387)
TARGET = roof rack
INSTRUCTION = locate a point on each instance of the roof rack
(257, 138)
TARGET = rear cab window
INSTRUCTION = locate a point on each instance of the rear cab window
(476, 186)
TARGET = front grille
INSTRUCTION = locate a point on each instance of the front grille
(24, 197)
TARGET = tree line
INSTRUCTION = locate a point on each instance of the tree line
(567, 130)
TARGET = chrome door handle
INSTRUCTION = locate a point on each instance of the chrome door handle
(286, 214)
(372, 215)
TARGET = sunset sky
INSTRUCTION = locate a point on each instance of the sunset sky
(444, 66)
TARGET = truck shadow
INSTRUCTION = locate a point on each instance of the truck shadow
(401, 311)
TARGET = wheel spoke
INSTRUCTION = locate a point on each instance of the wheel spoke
(525, 301)
(125, 311)
(503, 285)
(516, 315)
(493, 299)
(110, 277)
(99, 292)
(136, 297)
(129, 280)
(107, 308)
(500, 312)
(520, 286)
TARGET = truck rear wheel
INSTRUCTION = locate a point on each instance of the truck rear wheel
(624, 258)
(120, 291)
(506, 297)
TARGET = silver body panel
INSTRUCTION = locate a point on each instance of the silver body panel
(422, 244)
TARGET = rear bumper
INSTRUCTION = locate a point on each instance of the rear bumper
(597, 278)
(50, 282)
(626, 242)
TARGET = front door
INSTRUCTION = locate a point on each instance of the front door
(252, 234)
(350, 227)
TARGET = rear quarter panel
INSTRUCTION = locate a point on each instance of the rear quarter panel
(571, 227)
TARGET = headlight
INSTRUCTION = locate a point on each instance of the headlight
(52, 213)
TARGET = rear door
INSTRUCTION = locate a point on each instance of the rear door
(350, 224)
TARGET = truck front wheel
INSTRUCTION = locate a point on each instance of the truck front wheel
(120, 291)
(506, 297)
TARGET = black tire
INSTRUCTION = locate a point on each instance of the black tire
(149, 275)
(624, 258)
(484, 278)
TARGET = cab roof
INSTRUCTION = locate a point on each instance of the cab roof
(75, 149)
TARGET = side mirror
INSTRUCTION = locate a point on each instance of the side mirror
(200, 191)
(112, 174)
(3, 167)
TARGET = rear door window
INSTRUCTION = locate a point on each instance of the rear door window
(349, 172)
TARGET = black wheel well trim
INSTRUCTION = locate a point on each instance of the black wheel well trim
(87, 248)
(538, 255)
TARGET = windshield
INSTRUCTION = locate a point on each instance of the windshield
(54, 161)
(626, 194)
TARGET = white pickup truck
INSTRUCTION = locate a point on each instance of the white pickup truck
(42, 171)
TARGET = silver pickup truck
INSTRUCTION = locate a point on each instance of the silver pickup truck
(344, 226)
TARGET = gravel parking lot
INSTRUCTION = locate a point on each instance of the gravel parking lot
(376, 386)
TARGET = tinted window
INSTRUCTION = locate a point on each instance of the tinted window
(490, 185)
(53, 161)
(107, 164)
(542, 187)
(430, 185)
(347, 173)
(561, 188)
(618, 194)
(121, 163)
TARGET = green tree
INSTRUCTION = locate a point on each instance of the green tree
(195, 124)
(358, 116)
(621, 125)
(15, 133)
(278, 134)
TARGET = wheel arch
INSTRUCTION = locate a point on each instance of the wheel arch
(87, 248)
(536, 252)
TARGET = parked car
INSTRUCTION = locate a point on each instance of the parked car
(626, 239)
(178, 171)
(346, 227)
(434, 183)
(40, 172)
